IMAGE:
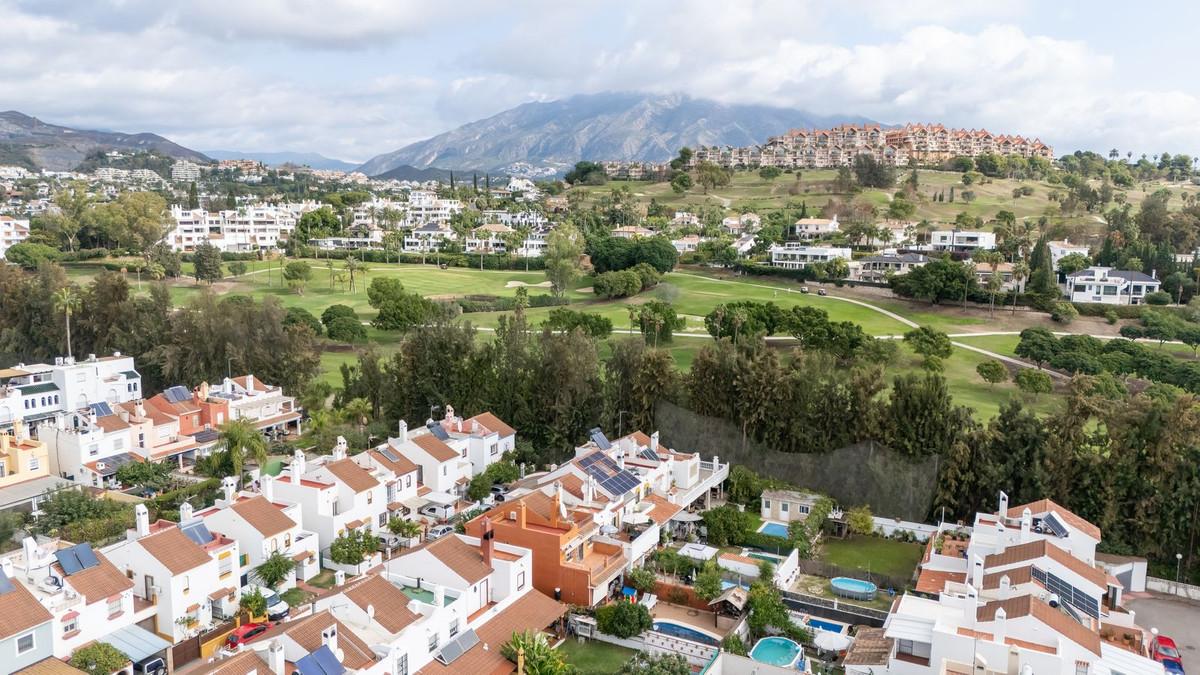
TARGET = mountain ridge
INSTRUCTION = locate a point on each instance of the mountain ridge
(28, 141)
(553, 135)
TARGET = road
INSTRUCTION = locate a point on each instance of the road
(1173, 617)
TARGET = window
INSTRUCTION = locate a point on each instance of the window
(370, 497)
(913, 648)
(114, 606)
(783, 507)
(225, 564)
(118, 444)
(521, 580)
(767, 504)
(187, 583)
(34, 464)
(454, 628)
(93, 449)
(402, 665)
(1081, 668)
(443, 469)
(70, 625)
(433, 642)
(383, 518)
(25, 644)
(495, 448)
(408, 481)
(287, 540)
(802, 509)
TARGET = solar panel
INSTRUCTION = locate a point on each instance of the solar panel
(1055, 525)
(620, 483)
(319, 662)
(196, 530)
(177, 394)
(85, 554)
(438, 432)
(391, 456)
(101, 409)
(68, 561)
(5, 584)
(458, 646)
(649, 454)
(600, 439)
(1067, 593)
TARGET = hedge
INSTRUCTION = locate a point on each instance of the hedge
(495, 303)
(1124, 311)
(490, 262)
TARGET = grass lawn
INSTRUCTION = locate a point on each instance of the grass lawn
(295, 597)
(324, 579)
(593, 657)
(879, 555)
(819, 586)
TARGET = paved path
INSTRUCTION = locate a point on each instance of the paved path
(1174, 617)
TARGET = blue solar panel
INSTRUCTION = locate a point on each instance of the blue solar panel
(438, 432)
(85, 554)
(649, 454)
(1055, 525)
(177, 394)
(101, 409)
(68, 561)
(620, 483)
(600, 439)
(5, 584)
(197, 531)
(320, 662)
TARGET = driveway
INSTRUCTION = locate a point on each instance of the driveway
(1173, 617)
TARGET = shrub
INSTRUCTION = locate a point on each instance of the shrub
(1063, 312)
(298, 316)
(1158, 298)
(1034, 382)
(992, 371)
(860, 521)
(98, 658)
(1111, 317)
(334, 312)
(623, 619)
(567, 320)
(29, 255)
(620, 284)
(352, 547)
(346, 329)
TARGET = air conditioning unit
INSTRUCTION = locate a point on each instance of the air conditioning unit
(512, 515)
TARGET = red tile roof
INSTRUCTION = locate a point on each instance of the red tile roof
(533, 611)
(1043, 506)
(492, 423)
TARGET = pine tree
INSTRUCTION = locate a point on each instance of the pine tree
(230, 200)
(452, 181)
(193, 197)
(951, 195)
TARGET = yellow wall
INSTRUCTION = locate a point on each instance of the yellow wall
(16, 456)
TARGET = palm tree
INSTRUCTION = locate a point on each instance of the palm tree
(66, 300)
(352, 266)
(1020, 272)
(994, 284)
(241, 439)
(358, 410)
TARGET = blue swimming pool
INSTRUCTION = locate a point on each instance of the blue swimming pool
(684, 632)
(775, 651)
(774, 529)
(825, 625)
(726, 585)
(773, 559)
(853, 588)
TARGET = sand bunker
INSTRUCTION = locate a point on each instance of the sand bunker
(518, 284)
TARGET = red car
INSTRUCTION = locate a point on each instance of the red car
(1164, 650)
(245, 633)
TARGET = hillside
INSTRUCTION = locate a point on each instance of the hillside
(35, 144)
(310, 159)
(407, 172)
(631, 126)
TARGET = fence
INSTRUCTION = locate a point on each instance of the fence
(696, 653)
(192, 648)
(818, 568)
(1173, 588)
(834, 609)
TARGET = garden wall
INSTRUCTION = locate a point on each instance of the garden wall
(864, 473)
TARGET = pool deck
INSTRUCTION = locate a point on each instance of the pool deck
(704, 622)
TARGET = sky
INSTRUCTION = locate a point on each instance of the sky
(354, 78)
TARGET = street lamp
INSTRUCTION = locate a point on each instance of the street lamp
(1178, 566)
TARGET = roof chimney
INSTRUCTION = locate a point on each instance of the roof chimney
(228, 489)
(487, 540)
(1005, 586)
(141, 517)
(1000, 625)
(339, 448)
(403, 437)
(266, 486)
(329, 638)
(185, 512)
(275, 660)
(139, 408)
(1003, 505)
(654, 441)
(977, 571)
(439, 596)
(1026, 525)
(297, 467)
(250, 382)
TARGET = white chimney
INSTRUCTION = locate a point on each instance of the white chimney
(589, 489)
(970, 606)
(266, 487)
(7, 567)
(329, 638)
(229, 488)
(185, 512)
(1000, 625)
(139, 408)
(275, 660)
(654, 441)
(439, 596)
(1026, 525)
(141, 517)
(250, 383)
(370, 613)
(1005, 587)
(297, 467)
(449, 413)
(403, 437)
(1003, 505)
(977, 572)
(29, 550)
(339, 448)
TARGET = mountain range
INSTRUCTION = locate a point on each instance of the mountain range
(311, 159)
(29, 142)
(553, 135)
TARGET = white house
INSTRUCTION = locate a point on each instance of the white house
(12, 231)
(1061, 249)
(488, 238)
(266, 405)
(794, 256)
(1111, 287)
(425, 206)
(881, 266)
(443, 462)
(400, 476)
(1020, 590)
(786, 505)
(38, 392)
(813, 228)
(427, 237)
(335, 494)
(962, 240)
(262, 527)
(190, 573)
(687, 244)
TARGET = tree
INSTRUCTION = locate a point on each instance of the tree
(992, 371)
(207, 263)
(707, 583)
(767, 611)
(769, 172)
(346, 329)
(298, 316)
(254, 603)
(533, 649)
(726, 525)
(404, 311)
(297, 274)
(99, 658)
(193, 199)
(710, 175)
(563, 248)
(586, 173)
(139, 219)
(1038, 345)
(1034, 382)
(594, 325)
(317, 224)
(404, 528)
(1073, 262)
(871, 173)
(334, 312)
(243, 440)
(929, 343)
(645, 663)
(681, 183)
(353, 547)
(623, 619)
(275, 569)
(642, 578)
(66, 300)
(237, 268)
(658, 322)
(29, 255)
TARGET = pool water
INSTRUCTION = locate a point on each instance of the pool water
(775, 651)
(726, 585)
(825, 625)
(774, 529)
(766, 556)
(853, 588)
(683, 632)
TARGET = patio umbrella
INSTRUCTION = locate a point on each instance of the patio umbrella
(831, 642)
(637, 518)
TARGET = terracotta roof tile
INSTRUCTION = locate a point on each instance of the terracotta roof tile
(1042, 548)
(389, 602)
(1027, 605)
(1019, 575)
(492, 423)
(306, 633)
(934, 581)
(99, 582)
(533, 611)
(462, 558)
(354, 476)
(49, 666)
(402, 465)
(1043, 506)
(434, 447)
(244, 663)
(174, 550)
(20, 611)
(263, 516)
(663, 510)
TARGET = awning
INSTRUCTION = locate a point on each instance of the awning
(441, 498)
(136, 642)
(831, 642)
(687, 517)
(698, 551)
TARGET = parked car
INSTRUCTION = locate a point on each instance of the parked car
(151, 665)
(804, 289)
(1173, 667)
(499, 492)
(244, 634)
(438, 511)
(439, 531)
(821, 291)
(394, 541)
(277, 609)
(1164, 650)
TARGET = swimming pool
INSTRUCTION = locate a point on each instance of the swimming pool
(853, 588)
(830, 626)
(684, 632)
(773, 559)
(775, 651)
(726, 585)
(774, 529)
